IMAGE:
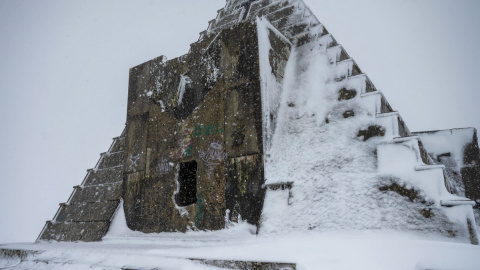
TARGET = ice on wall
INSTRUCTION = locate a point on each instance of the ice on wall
(271, 98)
(315, 147)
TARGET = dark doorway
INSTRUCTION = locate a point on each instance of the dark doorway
(187, 179)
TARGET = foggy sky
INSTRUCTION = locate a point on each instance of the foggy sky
(64, 78)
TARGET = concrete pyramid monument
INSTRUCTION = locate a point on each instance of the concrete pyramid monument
(268, 119)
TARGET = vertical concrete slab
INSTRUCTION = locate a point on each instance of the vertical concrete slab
(136, 139)
(138, 88)
(243, 120)
(244, 188)
(133, 200)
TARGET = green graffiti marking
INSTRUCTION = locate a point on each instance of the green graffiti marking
(188, 152)
(202, 130)
(200, 207)
(184, 145)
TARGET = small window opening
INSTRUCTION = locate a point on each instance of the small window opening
(187, 179)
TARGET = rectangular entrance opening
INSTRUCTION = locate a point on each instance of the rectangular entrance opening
(187, 179)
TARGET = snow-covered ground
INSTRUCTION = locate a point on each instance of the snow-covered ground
(123, 248)
(352, 250)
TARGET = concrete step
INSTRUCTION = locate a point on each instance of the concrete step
(429, 167)
(117, 145)
(393, 123)
(229, 18)
(89, 194)
(303, 27)
(381, 104)
(74, 231)
(109, 160)
(86, 212)
(263, 8)
(103, 176)
(337, 54)
(283, 13)
(405, 139)
(450, 203)
(346, 68)
(295, 18)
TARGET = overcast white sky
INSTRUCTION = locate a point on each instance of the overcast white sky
(64, 78)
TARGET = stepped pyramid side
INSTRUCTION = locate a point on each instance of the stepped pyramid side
(357, 99)
(268, 119)
(87, 214)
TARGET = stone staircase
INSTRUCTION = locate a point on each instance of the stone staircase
(87, 214)
(403, 151)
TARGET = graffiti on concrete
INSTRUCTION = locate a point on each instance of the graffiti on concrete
(165, 166)
(213, 156)
(200, 207)
(211, 129)
(188, 151)
(134, 158)
(185, 145)
(242, 182)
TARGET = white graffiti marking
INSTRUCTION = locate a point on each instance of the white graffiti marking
(164, 167)
(213, 156)
(133, 161)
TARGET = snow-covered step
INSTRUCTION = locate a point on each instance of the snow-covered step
(405, 161)
(404, 139)
(393, 123)
(337, 54)
(202, 35)
(283, 13)
(346, 68)
(426, 159)
(311, 34)
(376, 103)
(211, 25)
(294, 18)
(399, 157)
(429, 167)
(434, 182)
(226, 18)
(326, 41)
(362, 85)
(118, 145)
(450, 203)
(264, 8)
(306, 26)
(257, 6)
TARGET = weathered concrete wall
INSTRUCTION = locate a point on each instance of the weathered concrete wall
(215, 121)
